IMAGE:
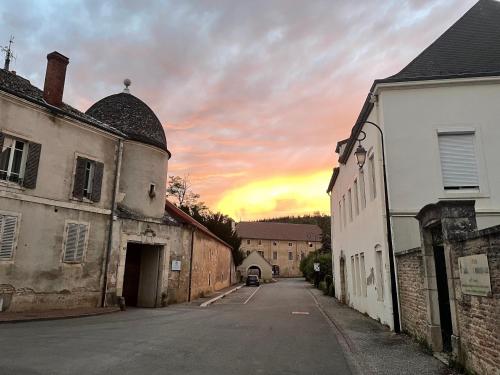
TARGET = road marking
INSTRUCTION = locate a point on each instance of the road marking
(248, 299)
(300, 313)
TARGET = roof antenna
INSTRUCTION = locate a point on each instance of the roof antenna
(127, 82)
(8, 53)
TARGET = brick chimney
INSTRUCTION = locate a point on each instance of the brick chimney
(54, 78)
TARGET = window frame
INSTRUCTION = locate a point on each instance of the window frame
(67, 223)
(24, 157)
(373, 176)
(356, 198)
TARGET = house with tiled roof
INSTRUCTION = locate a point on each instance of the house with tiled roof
(283, 245)
(427, 134)
(83, 221)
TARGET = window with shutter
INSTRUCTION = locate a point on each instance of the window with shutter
(8, 226)
(458, 161)
(19, 160)
(88, 179)
(74, 248)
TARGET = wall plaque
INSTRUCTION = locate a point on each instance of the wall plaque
(475, 275)
(176, 265)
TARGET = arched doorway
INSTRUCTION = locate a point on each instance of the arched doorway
(254, 270)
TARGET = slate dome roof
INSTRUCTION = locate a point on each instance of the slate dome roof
(131, 116)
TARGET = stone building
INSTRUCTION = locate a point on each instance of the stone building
(449, 287)
(438, 135)
(82, 207)
(283, 245)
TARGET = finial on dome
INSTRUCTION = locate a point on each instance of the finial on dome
(127, 82)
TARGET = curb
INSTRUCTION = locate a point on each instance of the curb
(210, 301)
(45, 318)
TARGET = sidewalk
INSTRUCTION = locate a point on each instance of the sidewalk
(201, 300)
(371, 347)
(17, 317)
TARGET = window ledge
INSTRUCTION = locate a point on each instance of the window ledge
(463, 194)
(11, 185)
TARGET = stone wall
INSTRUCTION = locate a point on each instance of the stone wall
(413, 310)
(478, 317)
(212, 266)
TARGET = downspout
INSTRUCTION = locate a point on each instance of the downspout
(191, 264)
(118, 166)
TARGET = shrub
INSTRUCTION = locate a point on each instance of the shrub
(322, 287)
(325, 264)
(328, 281)
(331, 290)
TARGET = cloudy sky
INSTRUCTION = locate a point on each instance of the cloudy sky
(253, 94)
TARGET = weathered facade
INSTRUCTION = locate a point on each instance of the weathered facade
(206, 262)
(450, 286)
(82, 207)
(282, 245)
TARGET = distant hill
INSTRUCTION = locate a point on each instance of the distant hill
(322, 221)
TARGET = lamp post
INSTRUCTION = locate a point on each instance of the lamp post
(360, 154)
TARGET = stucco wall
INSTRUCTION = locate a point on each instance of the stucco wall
(36, 278)
(288, 268)
(143, 165)
(363, 234)
(180, 250)
(212, 266)
(411, 118)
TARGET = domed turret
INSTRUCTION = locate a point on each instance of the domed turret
(132, 116)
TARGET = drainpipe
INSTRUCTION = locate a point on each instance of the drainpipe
(118, 166)
(191, 264)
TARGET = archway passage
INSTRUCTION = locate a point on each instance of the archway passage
(254, 270)
(141, 277)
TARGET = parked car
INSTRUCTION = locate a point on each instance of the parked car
(253, 280)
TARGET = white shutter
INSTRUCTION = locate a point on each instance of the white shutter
(76, 235)
(80, 246)
(71, 242)
(8, 226)
(458, 161)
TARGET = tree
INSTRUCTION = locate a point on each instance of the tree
(179, 188)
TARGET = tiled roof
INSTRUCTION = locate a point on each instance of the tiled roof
(183, 217)
(469, 48)
(22, 88)
(132, 116)
(278, 231)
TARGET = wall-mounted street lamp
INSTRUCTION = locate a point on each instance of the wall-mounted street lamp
(360, 154)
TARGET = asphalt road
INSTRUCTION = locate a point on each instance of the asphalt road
(274, 329)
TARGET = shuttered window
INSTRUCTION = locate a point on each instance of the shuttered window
(74, 247)
(87, 181)
(458, 161)
(8, 226)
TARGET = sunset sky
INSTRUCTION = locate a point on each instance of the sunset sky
(253, 95)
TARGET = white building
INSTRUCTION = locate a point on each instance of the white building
(440, 119)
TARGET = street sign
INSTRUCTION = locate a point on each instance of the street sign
(316, 267)
(176, 265)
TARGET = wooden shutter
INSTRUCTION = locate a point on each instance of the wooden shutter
(458, 161)
(32, 162)
(2, 137)
(97, 181)
(71, 242)
(80, 245)
(8, 226)
(79, 178)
